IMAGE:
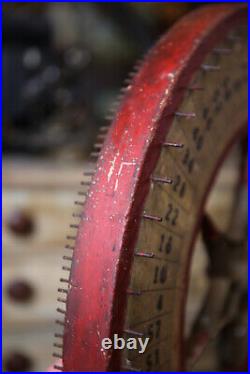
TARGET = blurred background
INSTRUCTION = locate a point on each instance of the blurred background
(63, 65)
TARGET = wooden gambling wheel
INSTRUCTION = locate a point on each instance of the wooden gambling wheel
(181, 112)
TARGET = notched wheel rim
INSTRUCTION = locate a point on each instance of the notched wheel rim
(104, 292)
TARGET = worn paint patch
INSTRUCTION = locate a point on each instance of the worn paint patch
(124, 163)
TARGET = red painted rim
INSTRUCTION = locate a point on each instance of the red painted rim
(108, 231)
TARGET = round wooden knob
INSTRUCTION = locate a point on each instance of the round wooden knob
(20, 291)
(20, 223)
(17, 361)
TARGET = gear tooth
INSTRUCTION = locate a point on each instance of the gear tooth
(71, 237)
(119, 97)
(98, 146)
(63, 280)
(79, 202)
(68, 258)
(59, 322)
(67, 246)
(127, 81)
(61, 300)
(66, 268)
(60, 310)
(103, 128)
(82, 193)
(94, 155)
(62, 290)
(124, 90)
(77, 215)
(89, 173)
(58, 367)
(57, 345)
(131, 75)
(101, 136)
(109, 117)
(57, 355)
(85, 183)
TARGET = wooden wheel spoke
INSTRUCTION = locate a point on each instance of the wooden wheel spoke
(226, 256)
(205, 327)
(222, 304)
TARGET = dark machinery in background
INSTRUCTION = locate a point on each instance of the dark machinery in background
(51, 52)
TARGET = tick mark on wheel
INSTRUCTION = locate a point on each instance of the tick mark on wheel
(152, 218)
(162, 180)
(175, 145)
(144, 254)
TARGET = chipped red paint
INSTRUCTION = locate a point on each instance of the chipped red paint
(106, 238)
